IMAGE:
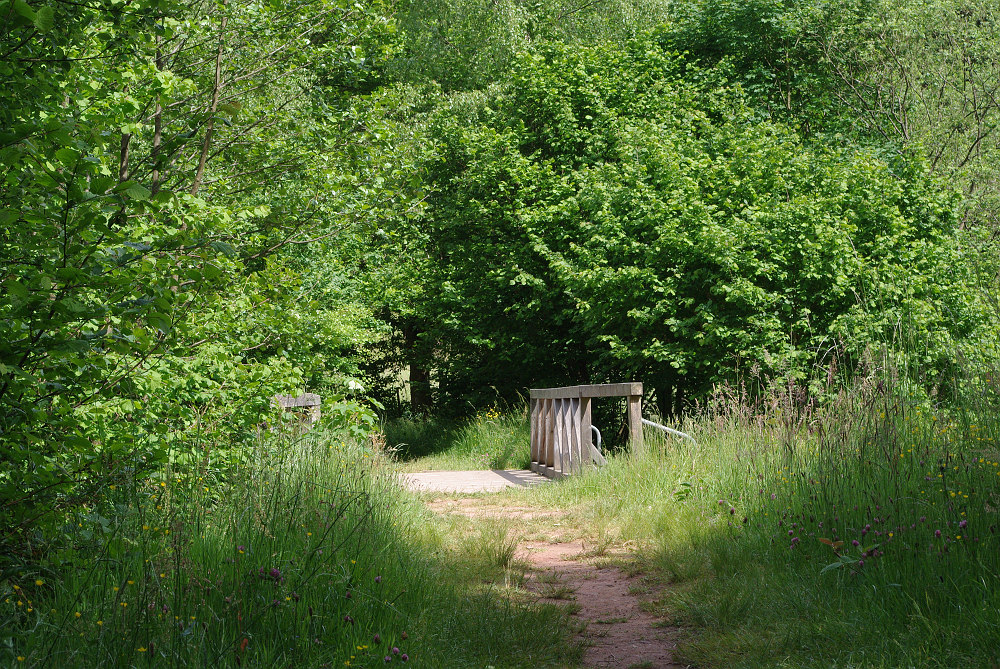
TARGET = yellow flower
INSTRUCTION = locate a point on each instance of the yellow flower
(100, 623)
(39, 582)
(141, 649)
(77, 614)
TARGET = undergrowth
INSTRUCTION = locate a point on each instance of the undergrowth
(306, 554)
(860, 529)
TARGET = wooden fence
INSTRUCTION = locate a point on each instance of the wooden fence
(561, 435)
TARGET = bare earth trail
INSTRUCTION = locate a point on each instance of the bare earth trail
(563, 569)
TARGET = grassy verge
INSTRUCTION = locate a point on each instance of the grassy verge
(491, 440)
(860, 534)
(307, 555)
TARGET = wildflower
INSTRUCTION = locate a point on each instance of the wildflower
(395, 650)
(861, 563)
(937, 533)
(77, 614)
(378, 579)
(39, 582)
(855, 543)
(388, 659)
(404, 657)
(963, 523)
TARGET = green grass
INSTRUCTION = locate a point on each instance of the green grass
(491, 440)
(754, 529)
(307, 555)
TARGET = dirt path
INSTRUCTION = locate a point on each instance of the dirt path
(617, 632)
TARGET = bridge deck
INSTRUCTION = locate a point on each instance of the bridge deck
(490, 480)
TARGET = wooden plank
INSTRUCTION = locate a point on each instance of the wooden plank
(550, 459)
(599, 390)
(534, 430)
(635, 423)
(558, 441)
(576, 417)
(586, 433)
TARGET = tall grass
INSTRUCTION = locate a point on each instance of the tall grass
(857, 531)
(307, 555)
(490, 440)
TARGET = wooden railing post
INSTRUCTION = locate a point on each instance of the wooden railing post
(635, 423)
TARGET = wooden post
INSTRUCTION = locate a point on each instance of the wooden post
(586, 433)
(535, 434)
(550, 427)
(635, 423)
(576, 420)
(559, 434)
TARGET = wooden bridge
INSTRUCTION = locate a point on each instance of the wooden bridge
(561, 435)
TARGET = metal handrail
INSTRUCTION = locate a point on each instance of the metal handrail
(599, 438)
(670, 430)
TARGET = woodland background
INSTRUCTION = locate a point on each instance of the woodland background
(207, 203)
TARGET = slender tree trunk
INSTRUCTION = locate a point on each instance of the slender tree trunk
(420, 378)
(216, 90)
(157, 127)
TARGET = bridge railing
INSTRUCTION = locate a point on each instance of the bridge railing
(561, 435)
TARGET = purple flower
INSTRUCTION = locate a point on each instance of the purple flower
(923, 519)
(275, 573)
(731, 511)
(963, 523)
(395, 650)
(378, 579)
(791, 532)
(241, 548)
(388, 659)
(855, 543)
(376, 639)
(861, 563)
(404, 657)
(937, 533)
(773, 496)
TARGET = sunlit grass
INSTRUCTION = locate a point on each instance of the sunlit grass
(490, 440)
(860, 532)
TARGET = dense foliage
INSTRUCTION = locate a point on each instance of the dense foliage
(445, 203)
(166, 167)
(616, 212)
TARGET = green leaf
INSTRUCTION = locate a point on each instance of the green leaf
(137, 191)
(44, 19)
(24, 9)
(68, 156)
